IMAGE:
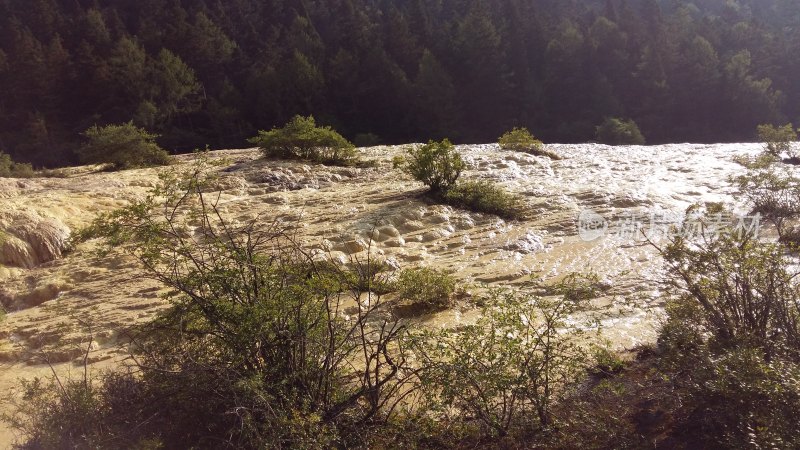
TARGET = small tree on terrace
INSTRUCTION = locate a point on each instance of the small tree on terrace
(123, 146)
(614, 131)
(301, 138)
(519, 139)
(778, 139)
(437, 164)
(11, 169)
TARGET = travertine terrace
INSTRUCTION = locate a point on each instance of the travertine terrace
(61, 303)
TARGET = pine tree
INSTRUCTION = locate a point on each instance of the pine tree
(435, 98)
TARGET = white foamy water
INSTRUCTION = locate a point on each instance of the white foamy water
(344, 213)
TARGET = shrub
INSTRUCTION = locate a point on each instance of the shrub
(606, 362)
(521, 140)
(437, 164)
(301, 138)
(426, 288)
(483, 196)
(737, 398)
(507, 369)
(731, 342)
(774, 193)
(122, 146)
(10, 169)
(86, 412)
(255, 350)
(778, 139)
(58, 415)
(747, 290)
(614, 131)
(577, 286)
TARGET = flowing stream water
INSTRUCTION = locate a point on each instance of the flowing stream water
(582, 216)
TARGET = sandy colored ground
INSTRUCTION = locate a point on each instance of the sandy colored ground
(56, 306)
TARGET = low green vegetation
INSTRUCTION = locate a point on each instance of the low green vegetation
(425, 288)
(521, 140)
(615, 131)
(732, 335)
(253, 351)
(773, 192)
(485, 197)
(507, 370)
(778, 140)
(439, 166)
(123, 146)
(577, 286)
(11, 169)
(302, 139)
(607, 363)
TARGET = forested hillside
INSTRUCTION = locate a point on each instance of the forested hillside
(213, 72)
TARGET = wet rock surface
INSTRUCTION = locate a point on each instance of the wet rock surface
(28, 239)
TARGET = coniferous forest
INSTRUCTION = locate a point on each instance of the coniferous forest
(213, 72)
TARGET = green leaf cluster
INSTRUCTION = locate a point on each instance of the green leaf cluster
(483, 196)
(437, 164)
(520, 139)
(426, 288)
(509, 367)
(615, 131)
(11, 169)
(778, 139)
(731, 340)
(123, 146)
(301, 138)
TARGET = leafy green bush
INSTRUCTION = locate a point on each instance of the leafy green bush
(732, 394)
(301, 138)
(507, 369)
(738, 398)
(437, 164)
(58, 416)
(122, 146)
(606, 362)
(519, 139)
(86, 412)
(733, 336)
(773, 191)
(483, 196)
(254, 351)
(778, 139)
(614, 131)
(426, 288)
(747, 290)
(578, 286)
(10, 169)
